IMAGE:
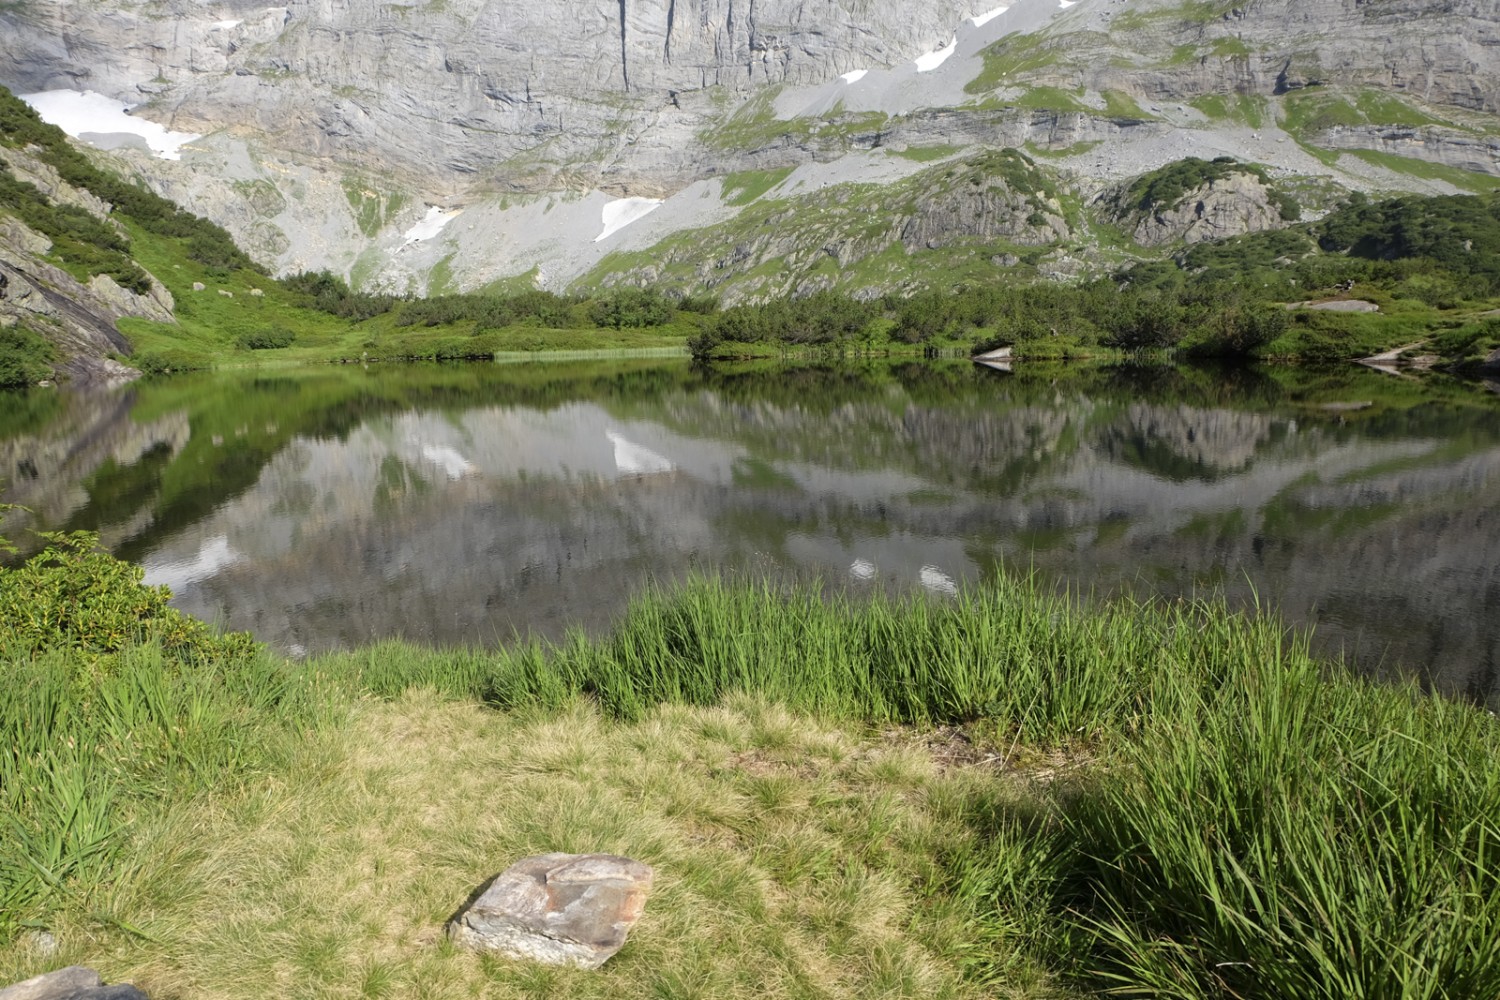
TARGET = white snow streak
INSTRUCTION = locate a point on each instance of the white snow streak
(979, 20)
(932, 60)
(432, 224)
(85, 112)
(622, 212)
(854, 75)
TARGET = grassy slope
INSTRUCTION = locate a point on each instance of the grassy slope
(209, 325)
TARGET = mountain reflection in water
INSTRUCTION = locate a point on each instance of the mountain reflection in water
(466, 504)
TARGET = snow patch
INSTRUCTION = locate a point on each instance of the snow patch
(226, 25)
(1065, 4)
(622, 212)
(432, 223)
(932, 60)
(980, 20)
(632, 459)
(80, 113)
(854, 75)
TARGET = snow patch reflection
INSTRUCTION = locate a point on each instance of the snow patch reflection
(632, 459)
(936, 581)
(213, 555)
(454, 465)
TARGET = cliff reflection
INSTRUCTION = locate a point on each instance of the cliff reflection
(458, 506)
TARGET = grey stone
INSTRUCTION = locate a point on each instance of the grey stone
(557, 909)
(73, 983)
(53, 985)
(1492, 363)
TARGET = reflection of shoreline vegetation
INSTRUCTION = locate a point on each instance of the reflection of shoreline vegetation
(1153, 769)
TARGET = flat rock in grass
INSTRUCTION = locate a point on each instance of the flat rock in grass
(1492, 363)
(557, 909)
(73, 983)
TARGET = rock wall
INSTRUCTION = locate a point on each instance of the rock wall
(1232, 205)
(1442, 52)
(460, 86)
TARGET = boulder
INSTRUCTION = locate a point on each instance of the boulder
(73, 983)
(557, 909)
(1491, 363)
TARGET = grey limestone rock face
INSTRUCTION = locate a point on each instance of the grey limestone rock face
(1229, 206)
(455, 87)
(1443, 52)
(1433, 143)
(558, 909)
(73, 983)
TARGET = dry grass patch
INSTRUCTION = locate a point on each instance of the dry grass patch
(793, 859)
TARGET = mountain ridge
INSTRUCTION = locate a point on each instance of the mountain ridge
(449, 146)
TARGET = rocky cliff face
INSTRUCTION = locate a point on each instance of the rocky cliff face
(77, 317)
(330, 127)
(1240, 202)
(1441, 52)
(460, 87)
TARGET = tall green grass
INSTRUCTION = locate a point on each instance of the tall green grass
(111, 701)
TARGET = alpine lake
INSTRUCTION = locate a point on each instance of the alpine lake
(331, 507)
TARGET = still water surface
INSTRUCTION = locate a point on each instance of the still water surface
(463, 504)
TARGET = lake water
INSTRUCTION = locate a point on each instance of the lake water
(325, 508)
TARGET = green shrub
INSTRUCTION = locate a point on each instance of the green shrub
(170, 360)
(630, 307)
(109, 694)
(25, 357)
(75, 596)
(703, 305)
(266, 340)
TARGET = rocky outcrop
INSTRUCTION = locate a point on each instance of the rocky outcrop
(985, 208)
(1433, 143)
(78, 318)
(1240, 202)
